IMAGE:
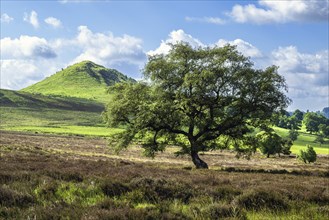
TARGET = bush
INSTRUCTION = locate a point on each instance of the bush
(307, 156)
(220, 211)
(160, 189)
(225, 193)
(10, 197)
(261, 199)
(111, 189)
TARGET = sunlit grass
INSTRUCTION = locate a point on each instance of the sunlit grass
(303, 140)
(70, 130)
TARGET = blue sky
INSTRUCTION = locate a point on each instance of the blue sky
(39, 38)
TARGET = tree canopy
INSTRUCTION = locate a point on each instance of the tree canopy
(195, 98)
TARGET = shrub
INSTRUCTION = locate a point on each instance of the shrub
(111, 189)
(10, 197)
(225, 193)
(220, 211)
(261, 199)
(161, 189)
(307, 156)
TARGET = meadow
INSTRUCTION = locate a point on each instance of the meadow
(62, 177)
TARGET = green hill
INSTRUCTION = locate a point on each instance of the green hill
(22, 111)
(9, 98)
(83, 80)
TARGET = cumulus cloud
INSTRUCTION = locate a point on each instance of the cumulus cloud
(26, 47)
(306, 74)
(210, 20)
(32, 18)
(54, 22)
(107, 49)
(5, 18)
(244, 47)
(270, 11)
(173, 38)
(26, 60)
(180, 36)
(20, 73)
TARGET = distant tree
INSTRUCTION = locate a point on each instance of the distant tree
(293, 134)
(271, 143)
(298, 114)
(319, 139)
(313, 120)
(286, 121)
(307, 156)
(324, 130)
(193, 98)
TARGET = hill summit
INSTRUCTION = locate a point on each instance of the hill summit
(84, 80)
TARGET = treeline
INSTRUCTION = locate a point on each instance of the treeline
(315, 123)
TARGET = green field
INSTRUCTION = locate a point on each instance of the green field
(21, 111)
(303, 140)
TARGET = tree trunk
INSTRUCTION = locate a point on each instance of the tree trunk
(199, 164)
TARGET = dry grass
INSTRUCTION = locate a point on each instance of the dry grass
(57, 176)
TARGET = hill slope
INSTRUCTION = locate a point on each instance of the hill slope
(37, 113)
(84, 80)
(9, 98)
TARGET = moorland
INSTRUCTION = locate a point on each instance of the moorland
(56, 164)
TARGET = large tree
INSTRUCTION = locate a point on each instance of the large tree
(195, 99)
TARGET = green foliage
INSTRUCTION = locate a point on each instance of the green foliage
(299, 114)
(201, 94)
(293, 135)
(84, 80)
(271, 143)
(284, 120)
(313, 121)
(324, 130)
(308, 156)
(319, 139)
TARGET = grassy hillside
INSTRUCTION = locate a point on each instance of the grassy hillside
(10, 98)
(303, 140)
(22, 111)
(84, 80)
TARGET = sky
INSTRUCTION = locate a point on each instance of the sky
(39, 38)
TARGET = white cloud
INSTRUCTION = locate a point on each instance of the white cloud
(32, 18)
(26, 60)
(211, 20)
(54, 22)
(244, 47)
(5, 18)
(180, 36)
(107, 49)
(26, 47)
(281, 11)
(176, 37)
(306, 75)
(20, 73)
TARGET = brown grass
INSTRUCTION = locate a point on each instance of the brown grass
(45, 162)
